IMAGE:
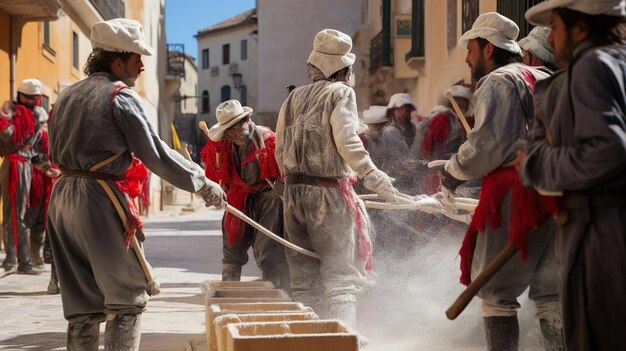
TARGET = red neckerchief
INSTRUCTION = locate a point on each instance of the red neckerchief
(220, 167)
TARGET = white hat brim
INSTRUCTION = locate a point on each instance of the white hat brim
(216, 133)
(490, 35)
(539, 15)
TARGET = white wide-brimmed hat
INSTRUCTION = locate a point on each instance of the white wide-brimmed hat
(539, 15)
(120, 35)
(399, 100)
(375, 114)
(537, 44)
(496, 29)
(331, 51)
(31, 86)
(228, 113)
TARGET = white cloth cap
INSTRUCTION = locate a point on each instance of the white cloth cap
(539, 15)
(31, 86)
(439, 109)
(375, 114)
(399, 100)
(459, 91)
(536, 43)
(495, 28)
(120, 35)
(331, 51)
(228, 113)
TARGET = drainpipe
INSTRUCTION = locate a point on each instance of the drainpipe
(12, 51)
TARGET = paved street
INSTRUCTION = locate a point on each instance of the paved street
(403, 312)
(185, 251)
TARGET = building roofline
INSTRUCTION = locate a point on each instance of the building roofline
(240, 20)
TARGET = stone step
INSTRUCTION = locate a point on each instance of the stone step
(215, 310)
(235, 295)
(320, 335)
(218, 342)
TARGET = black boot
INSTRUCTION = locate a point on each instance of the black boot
(231, 272)
(501, 333)
(552, 334)
(83, 333)
(122, 332)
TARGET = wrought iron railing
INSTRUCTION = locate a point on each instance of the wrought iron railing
(176, 60)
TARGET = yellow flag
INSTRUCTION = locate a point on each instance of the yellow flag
(175, 141)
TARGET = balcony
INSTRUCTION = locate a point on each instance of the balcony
(380, 54)
(176, 60)
(32, 10)
(109, 9)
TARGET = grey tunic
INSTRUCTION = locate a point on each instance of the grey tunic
(588, 158)
(503, 103)
(397, 142)
(96, 273)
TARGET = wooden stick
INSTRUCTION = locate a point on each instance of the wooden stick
(459, 115)
(468, 294)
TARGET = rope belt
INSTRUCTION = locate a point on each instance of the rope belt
(301, 179)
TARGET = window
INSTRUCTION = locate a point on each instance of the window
(225, 54)
(46, 33)
(225, 93)
(244, 50)
(205, 59)
(470, 13)
(205, 102)
(243, 92)
(452, 26)
(74, 50)
(515, 10)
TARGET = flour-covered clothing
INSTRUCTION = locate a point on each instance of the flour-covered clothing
(318, 150)
(503, 105)
(583, 110)
(97, 273)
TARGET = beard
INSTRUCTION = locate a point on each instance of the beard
(479, 70)
(566, 53)
(128, 78)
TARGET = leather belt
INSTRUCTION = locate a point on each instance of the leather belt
(301, 179)
(586, 202)
(90, 174)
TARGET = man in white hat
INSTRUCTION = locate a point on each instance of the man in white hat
(376, 118)
(20, 136)
(240, 156)
(502, 107)
(578, 147)
(537, 51)
(398, 138)
(318, 150)
(97, 126)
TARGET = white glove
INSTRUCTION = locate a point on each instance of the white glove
(212, 194)
(429, 205)
(380, 183)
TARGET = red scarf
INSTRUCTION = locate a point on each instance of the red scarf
(220, 167)
(529, 211)
(131, 186)
(363, 242)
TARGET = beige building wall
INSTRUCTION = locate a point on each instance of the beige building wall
(286, 32)
(218, 74)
